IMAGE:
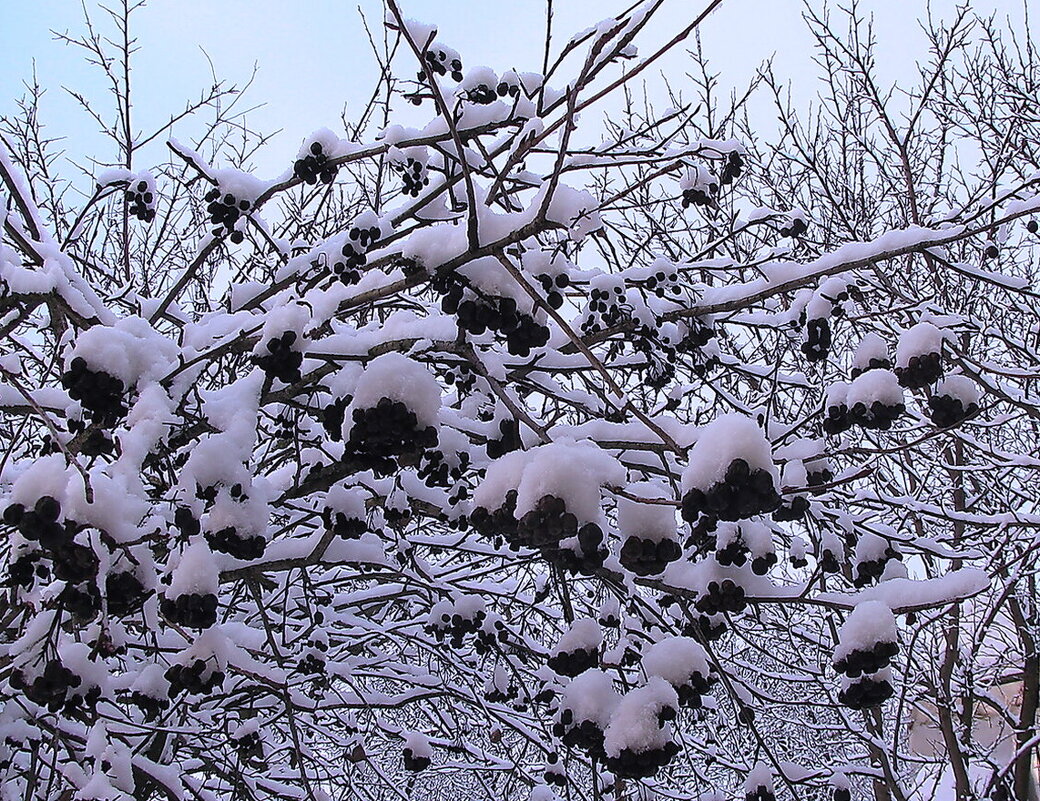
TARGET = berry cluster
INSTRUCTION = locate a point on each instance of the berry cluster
(836, 417)
(554, 773)
(415, 762)
(228, 540)
(197, 678)
(791, 509)
(508, 441)
(360, 239)
(414, 175)
(249, 748)
(828, 560)
(659, 352)
(315, 166)
(125, 593)
(647, 557)
(700, 192)
(387, 432)
(732, 169)
(818, 473)
(141, 200)
(817, 340)
(479, 312)
(333, 415)
(436, 470)
(440, 61)
(691, 692)
(54, 688)
(871, 660)
(868, 691)
(725, 596)
(870, 570)
(96, 443)
(736, 552)
(224, 212)
(481, 94)
(873, 363)
(921, 370)
(632, 764)
(194, 610)
(794, 227)
(281, 361)
(552, 286)
(455, 622)
(98, 392)
(605, 310)
(342, 526)
(149, 705)
(584, 734)
(949, 410)
(878, 415)
(575, 662)
(743, 493)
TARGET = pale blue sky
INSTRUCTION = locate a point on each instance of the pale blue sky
(313, 55)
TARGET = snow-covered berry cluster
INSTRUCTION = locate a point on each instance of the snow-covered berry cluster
(198, 677)
(282, 360)
(140, 198)
(795, 225)
(477, 311)
(699, 188)
(457, 620)
(55, 687)
(314, 166)
(224, 211)
(578, 649)
(731, 474)
(649, 529)
(866, 644)
(417, 752)
(441, 60)
(918, 356)
(100, 393)
(414, 174)
(954, 400)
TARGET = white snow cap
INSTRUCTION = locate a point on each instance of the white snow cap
(131, 350)
(583, 635)
(871, 622)
(960, 387)
(590, 696)
(759, 776)
(196, 572)
(635, 724)
(574, 471)
(398, 378)
(676, 660)
(654, 521)
(418, 743)
(728, 437)
(348, 500)
(917, 341)
(871, 348)
(875, 385)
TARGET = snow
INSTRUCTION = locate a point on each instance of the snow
(676, 659)
(131, 350)
(591, 696)
(634, 724)
(920, 340)
(875, 385)
(195, 573)
(760, 775)
(583, 635)
(871, 348)
(398, 378)
(960, 387)
(870, 623)
(651, 521)
(728, 437)
(574, 471)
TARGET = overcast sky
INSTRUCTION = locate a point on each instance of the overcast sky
(313, 55)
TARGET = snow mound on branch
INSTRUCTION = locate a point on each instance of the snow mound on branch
(635, 724)
(728, 437)
(398, 378)
(131, 350)
(653, 521)
(675, 660)
(871, 348)
(591, 696)
(871, 622)
(923, 338)
(583, 635)
(960, 387)
(572, 471)
(195, 573)
(875, 385)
